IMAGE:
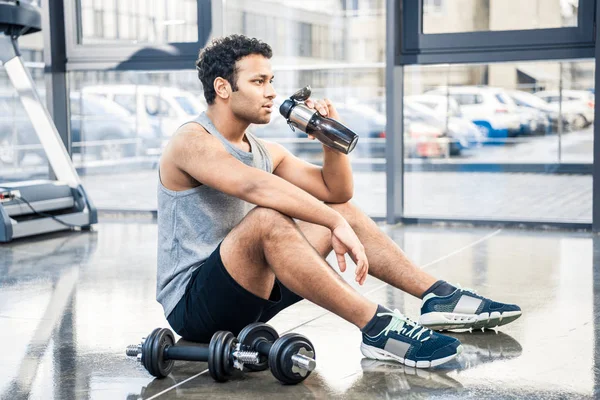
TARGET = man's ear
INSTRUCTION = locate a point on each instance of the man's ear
(222, 88)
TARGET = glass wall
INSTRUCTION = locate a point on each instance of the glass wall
(135, 113)
(137, 21)
(337, 47)
(21, 153)
(486, 141)
(450, 16)
(22, 156)
(492, 141)
(120, 122)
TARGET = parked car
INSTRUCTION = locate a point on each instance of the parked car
(577, 104)
(98, 126)
(447, 110)
(485, 108)
(525, 99)
(452, 134)
(424, 140)
(159, 111)
(533, 121)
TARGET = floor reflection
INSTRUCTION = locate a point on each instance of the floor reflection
(71, 302)
(482, 347)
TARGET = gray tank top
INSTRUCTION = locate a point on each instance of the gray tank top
(192, 223)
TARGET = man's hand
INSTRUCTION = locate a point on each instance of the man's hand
(344, 240)
(325, 108)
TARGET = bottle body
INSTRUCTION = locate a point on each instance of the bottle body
(332, 133)
(328, 131)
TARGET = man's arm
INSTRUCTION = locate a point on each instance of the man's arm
(336, 173)
(331, 183)
(203, 157)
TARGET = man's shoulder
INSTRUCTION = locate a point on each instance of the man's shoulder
(186, 136)
(190, 128)
(276, 150)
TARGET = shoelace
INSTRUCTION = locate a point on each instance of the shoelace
(401, 324)
(466, 289)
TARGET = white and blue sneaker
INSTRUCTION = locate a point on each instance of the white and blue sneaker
(408, 343)
(464, 309)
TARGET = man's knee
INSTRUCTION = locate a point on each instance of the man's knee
(348, 210)
(266, 215)
(269, 221)
(340, 206)
(258, 227)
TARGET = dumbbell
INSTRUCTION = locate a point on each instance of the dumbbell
(290, 357)
(158, 351)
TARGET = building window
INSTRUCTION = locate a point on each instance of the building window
(432, 6)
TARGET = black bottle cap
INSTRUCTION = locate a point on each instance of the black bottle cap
(286, 108)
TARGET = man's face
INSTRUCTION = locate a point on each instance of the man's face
(253, 101)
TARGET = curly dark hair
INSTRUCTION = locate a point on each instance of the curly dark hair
(219, 58)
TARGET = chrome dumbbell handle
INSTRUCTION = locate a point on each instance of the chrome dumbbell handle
(247, 357)
(241, 357)
(133, 350)
(304, 362)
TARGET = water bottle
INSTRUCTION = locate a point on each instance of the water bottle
(328, 131)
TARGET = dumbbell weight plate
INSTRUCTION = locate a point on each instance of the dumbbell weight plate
(248, 338)
(280, 358)
(163, 338)
(219, 355)
(214, 349)
(229, 343)
(147, 351)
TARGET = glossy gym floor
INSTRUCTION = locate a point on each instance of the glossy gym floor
(70, 303)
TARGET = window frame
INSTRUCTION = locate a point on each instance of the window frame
(415, 47)
(130, 56)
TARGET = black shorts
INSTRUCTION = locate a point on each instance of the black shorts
(214, 301)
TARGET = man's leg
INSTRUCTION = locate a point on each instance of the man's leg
(444, 306)
(387, 261)
(268, 244)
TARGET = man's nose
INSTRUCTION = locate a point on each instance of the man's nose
(271, 93)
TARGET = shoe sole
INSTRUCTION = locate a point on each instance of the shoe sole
(441, 321)
(382, 355)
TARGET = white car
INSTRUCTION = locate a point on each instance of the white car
(578, 105)
(446, 107)
(159, 110)
(486, 108)
(533, 121)
(526, 99)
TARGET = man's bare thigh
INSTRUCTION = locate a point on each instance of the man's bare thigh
(242, 250)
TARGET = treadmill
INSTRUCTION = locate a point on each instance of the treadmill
(39, 206)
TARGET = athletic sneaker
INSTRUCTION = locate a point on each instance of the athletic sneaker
(465, 309)
(406, 342)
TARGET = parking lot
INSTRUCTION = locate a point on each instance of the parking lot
(440, 181)
(131, 183)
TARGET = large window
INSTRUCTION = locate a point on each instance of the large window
(511, 141)
(338, 48)
(21, 153)
(314, 43)
(450, 16)
(120, 122)
(137, 21)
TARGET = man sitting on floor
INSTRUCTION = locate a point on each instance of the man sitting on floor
(245, 226)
